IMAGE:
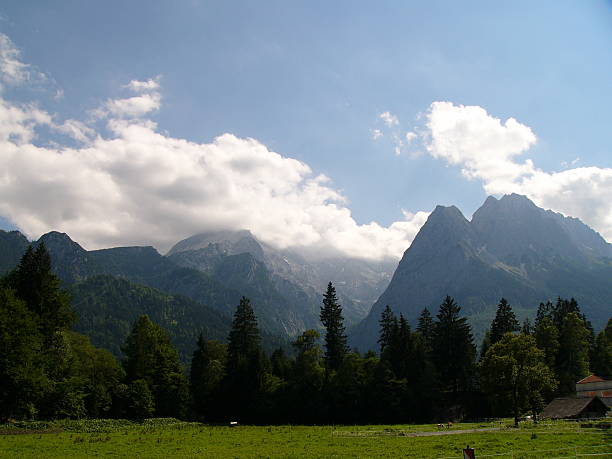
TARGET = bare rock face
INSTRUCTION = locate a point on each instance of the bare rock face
(511, 248)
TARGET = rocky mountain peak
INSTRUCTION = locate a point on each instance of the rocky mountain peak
(227, 242)
(55, 241)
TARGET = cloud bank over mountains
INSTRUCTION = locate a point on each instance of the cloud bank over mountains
(134, 185)
(115, 179)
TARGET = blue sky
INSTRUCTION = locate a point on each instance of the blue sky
(310, 81)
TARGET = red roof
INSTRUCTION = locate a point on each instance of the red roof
(591, 378)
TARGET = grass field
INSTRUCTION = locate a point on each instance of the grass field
(163, 438)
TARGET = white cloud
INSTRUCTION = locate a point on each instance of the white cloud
(138, 186)
(376, 134)
(151, 84)
(76, 130)
(133, 107)
(410, 136)
(488, 149)
(12, 70)
(148, 100)
(389, 119)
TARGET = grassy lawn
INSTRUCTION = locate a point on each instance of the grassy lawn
(169, 438)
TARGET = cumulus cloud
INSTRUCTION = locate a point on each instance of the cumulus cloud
(148, 100)
(490, 150)
(134, 107)
(138, 186)
(389, 119)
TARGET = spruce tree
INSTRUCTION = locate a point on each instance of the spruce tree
(34, 282)
(425, 326)
(245, 365)
(453, 348)
(602, 353)
(504, 322)
(526, 329)
(547, 339)
(573, 356)
(335, 337)
(244, 340)
(386, 321)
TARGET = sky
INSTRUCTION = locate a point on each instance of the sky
(335, 127)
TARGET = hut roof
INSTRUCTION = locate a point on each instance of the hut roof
(590, 378)
(569, 407)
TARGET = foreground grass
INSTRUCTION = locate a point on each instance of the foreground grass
(170, 438)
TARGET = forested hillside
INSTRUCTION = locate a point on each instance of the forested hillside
(432, 372)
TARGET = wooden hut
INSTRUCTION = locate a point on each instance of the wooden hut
(575, 408)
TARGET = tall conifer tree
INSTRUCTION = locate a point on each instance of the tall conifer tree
(245, 365)
(504, 322)
(335, 337)
(387, 319)
(453, 347)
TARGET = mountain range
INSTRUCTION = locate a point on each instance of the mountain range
(198, 284)
(511, 248)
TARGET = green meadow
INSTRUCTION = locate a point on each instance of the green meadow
(161, 438)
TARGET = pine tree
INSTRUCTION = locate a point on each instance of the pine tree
(425, 326)
(386, 321)
(335, 337)
(453, 347)
(526, 329)
(34, 282)
(573, 356)
(504, 322)
(245, 365)
(244, 340)
(547, 339)
(602, 352)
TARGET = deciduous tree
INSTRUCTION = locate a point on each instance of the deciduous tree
(514, 369)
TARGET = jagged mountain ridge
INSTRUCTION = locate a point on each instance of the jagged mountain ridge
(511, 248)
(216, 275)
(145, 266)
(302, 280)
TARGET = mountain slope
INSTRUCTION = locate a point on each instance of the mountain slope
(510, 249)
(299, 280)
(12, 246)
(220, 287)
(107, 308)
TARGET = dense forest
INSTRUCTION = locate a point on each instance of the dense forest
(430, 373)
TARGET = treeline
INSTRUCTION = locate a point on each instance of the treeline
(430, 373)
